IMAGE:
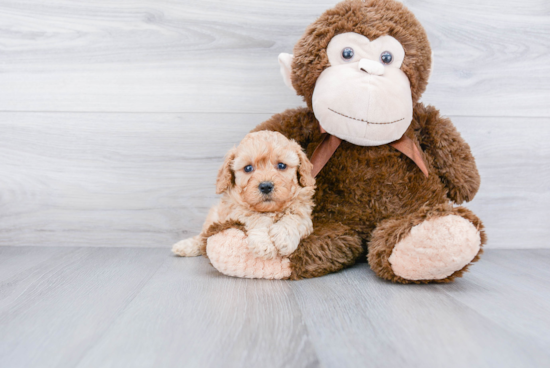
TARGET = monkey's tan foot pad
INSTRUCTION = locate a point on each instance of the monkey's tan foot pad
(228, 252)
(436, 248)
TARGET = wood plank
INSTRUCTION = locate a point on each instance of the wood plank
(480, 52)
(18, 260)
(190, 315)
(513, 158)
(148, 179)
(213, 56)
(52, 313)
(107, 307)
(355, 318)
(111, 179)
(511, 289)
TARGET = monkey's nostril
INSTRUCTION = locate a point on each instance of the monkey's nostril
(266, 187)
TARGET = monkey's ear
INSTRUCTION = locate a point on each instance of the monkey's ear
(226, 177)
(285, 61)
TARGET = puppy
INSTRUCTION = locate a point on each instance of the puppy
(267, 185)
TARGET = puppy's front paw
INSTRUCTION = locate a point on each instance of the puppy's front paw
(187, 247)
(261, 246)
(286, 240)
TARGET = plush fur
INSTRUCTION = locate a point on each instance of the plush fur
(276, 221)
(361, 187)
(216, 228)
(371, 18)
(392, 231)
(228, 252)
(374, 199)
(435, 248)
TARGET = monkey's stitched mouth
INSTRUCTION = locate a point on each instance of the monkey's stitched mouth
(364, 121)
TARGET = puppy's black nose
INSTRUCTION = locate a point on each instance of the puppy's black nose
(266, 187)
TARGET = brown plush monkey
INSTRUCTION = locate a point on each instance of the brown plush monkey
(391, 169)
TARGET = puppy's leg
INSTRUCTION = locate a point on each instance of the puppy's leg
(287, 232)
(259, 241)
(191, 247)
(260, 244)
(188, 247)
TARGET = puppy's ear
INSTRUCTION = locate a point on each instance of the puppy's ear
(226, 178)
(304, 170)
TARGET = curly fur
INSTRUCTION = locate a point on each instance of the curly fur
(275, 222)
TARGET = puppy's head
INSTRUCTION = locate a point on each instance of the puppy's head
(266, 171)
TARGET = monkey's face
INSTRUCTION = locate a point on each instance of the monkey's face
(363, 97)
(361, 67)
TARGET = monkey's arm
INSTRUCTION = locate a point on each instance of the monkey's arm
(298, 124)
(452, 156)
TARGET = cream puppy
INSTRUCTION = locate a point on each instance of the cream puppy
(267, 186)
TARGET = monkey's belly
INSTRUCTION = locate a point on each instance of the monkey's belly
(361, 186)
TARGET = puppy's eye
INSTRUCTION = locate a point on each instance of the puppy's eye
(248, 168)
(281, 166)
(347, 53)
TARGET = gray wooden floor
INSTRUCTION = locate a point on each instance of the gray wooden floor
(114, 118)
(141, 307)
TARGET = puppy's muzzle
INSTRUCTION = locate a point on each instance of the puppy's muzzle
(266, 187)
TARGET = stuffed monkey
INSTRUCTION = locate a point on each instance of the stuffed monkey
(391, 171)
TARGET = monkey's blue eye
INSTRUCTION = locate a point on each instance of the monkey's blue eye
(386, 57)
(347, 53)
(281, 166)
(248, 168)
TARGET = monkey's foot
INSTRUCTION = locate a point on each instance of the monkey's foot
(434, 246)
(436, 249)
(229, 253)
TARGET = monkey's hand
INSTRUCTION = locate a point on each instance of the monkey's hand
(453, 159)
(260, 244)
